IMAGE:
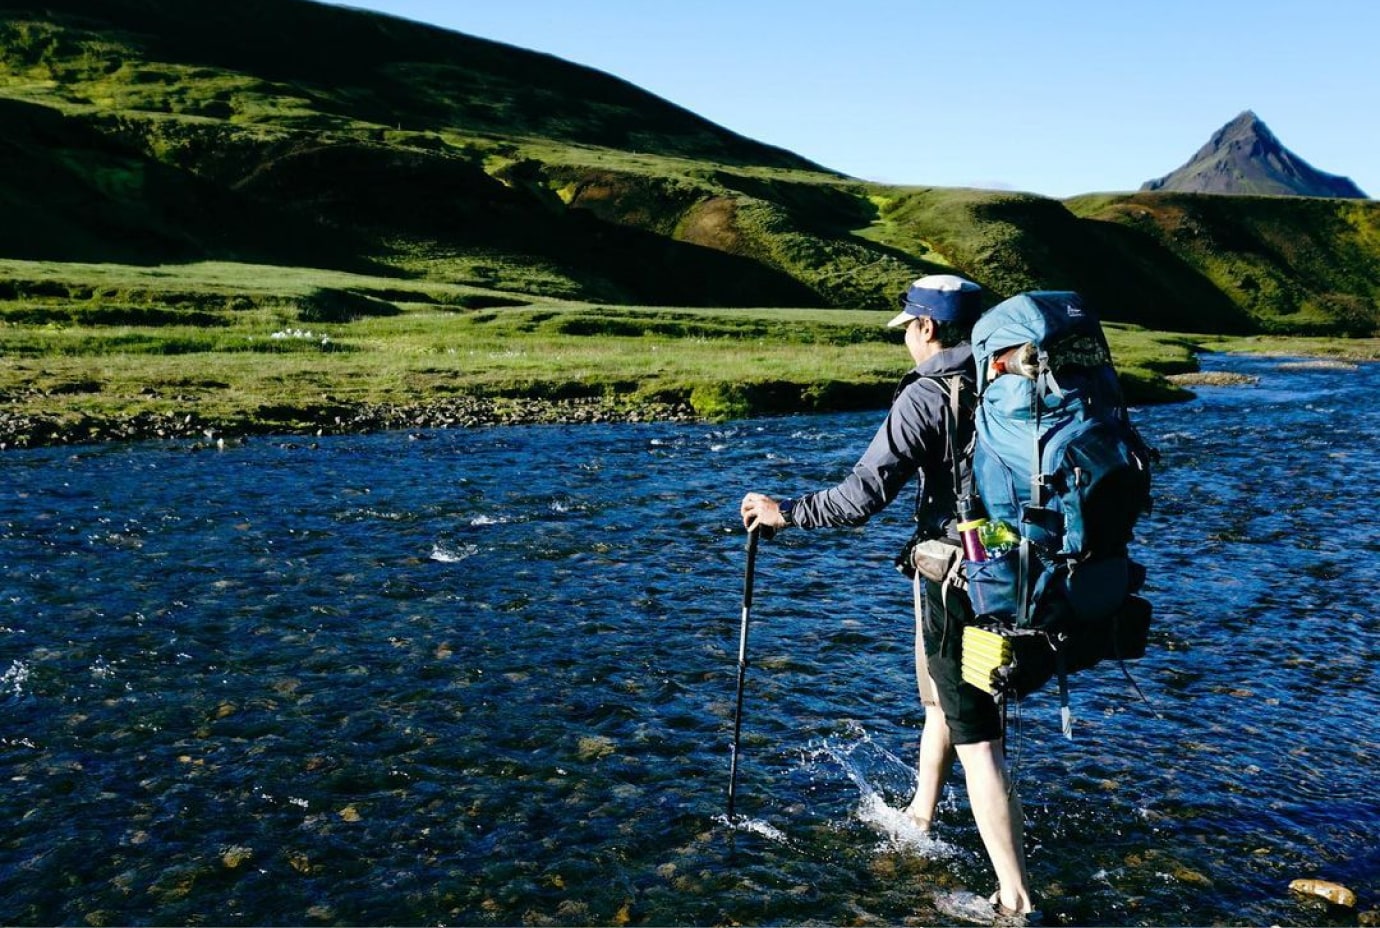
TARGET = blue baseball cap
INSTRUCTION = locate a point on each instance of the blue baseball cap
(945, 297)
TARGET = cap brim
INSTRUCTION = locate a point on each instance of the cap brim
(901, 319)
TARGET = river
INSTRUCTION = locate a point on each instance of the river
(486, 677)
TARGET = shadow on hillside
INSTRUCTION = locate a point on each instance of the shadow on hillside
(77, 194)
(73, 193)
(455, 206)
(1154, 287)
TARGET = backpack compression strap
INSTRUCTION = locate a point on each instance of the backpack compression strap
(1037, 488)
(1044, 384)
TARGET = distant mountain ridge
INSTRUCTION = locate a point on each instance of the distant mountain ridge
(1245, 157)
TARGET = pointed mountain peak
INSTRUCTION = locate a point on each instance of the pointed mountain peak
(1246, 126)
(1246, 119)
(1245, 157)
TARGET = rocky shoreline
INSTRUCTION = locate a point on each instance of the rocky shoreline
(34, 430)
(23, 430)
(1212, 379)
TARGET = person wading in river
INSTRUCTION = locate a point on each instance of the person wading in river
(938, 313)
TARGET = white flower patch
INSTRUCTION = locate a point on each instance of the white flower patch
(301, 335)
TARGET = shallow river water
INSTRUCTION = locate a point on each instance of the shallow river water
(487, 677)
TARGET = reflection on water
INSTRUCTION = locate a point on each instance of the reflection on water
(487, 677)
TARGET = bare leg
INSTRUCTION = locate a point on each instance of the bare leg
(997, 811)
(936, 746)
(932, 771)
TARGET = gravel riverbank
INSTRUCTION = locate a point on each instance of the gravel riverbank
(24, 430)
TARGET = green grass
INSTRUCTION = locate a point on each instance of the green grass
(267, 358)
(1341, 349)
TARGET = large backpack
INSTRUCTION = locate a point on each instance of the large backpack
(1058, 460)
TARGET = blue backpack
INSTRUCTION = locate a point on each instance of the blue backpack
(1058, 460)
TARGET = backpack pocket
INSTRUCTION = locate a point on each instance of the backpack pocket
(1121, 636)
(993, 584)
(1099, 483)
(1043, 526)
(1096, 589)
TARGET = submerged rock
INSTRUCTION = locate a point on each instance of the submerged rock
(593, 747)
(232, 857)
(1335, 893)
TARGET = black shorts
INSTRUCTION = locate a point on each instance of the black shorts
(973, 714)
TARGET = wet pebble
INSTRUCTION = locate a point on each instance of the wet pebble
(1335, 893)
(232, 857)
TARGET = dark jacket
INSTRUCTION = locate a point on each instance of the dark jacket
(913, 439)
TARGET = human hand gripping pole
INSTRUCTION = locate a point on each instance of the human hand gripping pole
(748, 575)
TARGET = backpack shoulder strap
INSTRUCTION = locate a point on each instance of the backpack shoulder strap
(959, 402)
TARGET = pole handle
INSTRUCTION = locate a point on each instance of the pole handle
(751, 570)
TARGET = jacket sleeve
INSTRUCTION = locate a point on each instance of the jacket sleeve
(890, 461)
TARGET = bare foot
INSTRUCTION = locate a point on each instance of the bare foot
(1024, 914)
(921, 823)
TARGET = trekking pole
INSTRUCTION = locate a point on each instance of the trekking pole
(742, 665)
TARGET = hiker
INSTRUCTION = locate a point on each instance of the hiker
(938, 313)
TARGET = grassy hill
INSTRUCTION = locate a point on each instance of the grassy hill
(293, 133)
(1288, 265)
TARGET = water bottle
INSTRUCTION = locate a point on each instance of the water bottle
(997, 537)
(971, 517)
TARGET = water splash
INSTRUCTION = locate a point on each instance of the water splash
(755, 826)
(900, 831)
(12, 680)
(452, 554)
(874, 770)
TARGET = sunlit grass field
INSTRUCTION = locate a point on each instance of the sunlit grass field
(230, 342)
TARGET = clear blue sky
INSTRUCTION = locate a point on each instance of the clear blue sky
(1056, 97)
